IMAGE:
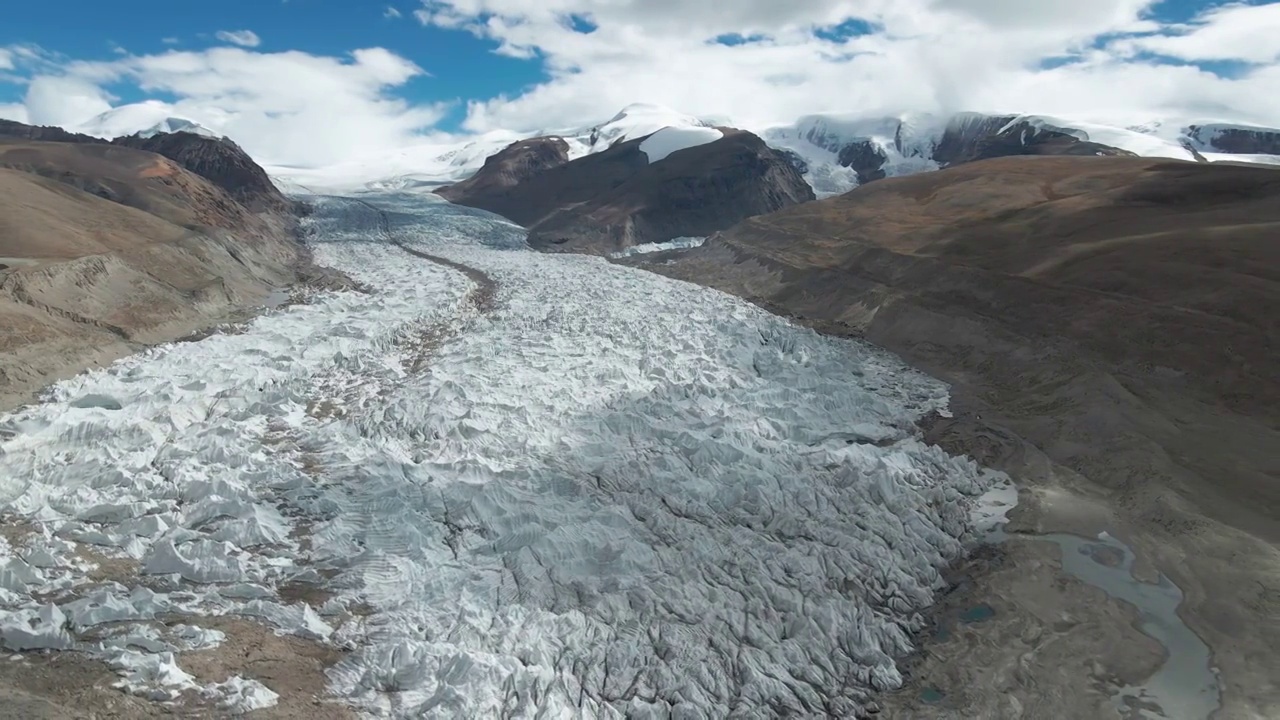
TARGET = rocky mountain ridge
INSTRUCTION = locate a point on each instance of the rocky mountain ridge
(218, 159)
(618, 198)
(841, 153)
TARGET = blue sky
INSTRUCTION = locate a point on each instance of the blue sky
(522, 65)
(461, 66)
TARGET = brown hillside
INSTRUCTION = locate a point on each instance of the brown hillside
(614, 199)
(43, 219)
(133, 178)
(1109, 327)
(105, 249)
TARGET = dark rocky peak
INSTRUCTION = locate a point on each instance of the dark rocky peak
(865, 158)
(693, 192)
(971, 137)
(220, 161)
(511, 166)
(794, 158)
(966, 137)
(616, 198)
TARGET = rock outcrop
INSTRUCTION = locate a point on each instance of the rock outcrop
(220, 161)
(863, 158)
(614, 199)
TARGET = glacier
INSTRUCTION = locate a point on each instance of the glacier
(605, 493)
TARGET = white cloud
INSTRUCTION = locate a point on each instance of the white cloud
(243, 38)
(6, 59)
(1248, 33)
(52, 100)
(390, 12)
(14, 111)
(289, 108)
(923, 55)
(1087, 16)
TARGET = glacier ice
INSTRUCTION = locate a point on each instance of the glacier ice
(612, 494)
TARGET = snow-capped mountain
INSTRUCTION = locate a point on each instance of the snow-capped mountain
(634, 121)
(841, 152)
(145, 119)
(174, 125)
(831, 145)
(835, 153)
(1224, 141)
(446, 159)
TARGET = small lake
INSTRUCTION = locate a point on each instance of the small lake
(1185, 687)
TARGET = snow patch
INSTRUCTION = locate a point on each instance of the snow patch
(238, 695)
(1242, 158)
(680, 243)
(661, 144)
(634, 121)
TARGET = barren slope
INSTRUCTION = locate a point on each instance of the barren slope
(105, 249)
(1110, 328)
(134, 178)
(43, 219)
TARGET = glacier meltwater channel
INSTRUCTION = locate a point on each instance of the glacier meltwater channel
(599, 493)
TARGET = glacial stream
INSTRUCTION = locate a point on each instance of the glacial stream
(581, 489)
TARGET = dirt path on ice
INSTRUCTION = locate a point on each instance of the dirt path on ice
(482, 300)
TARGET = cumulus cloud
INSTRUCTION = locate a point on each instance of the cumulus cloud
(52, 100)
(845, 56)
(287, 108)
(1247, 33)
(243, 38)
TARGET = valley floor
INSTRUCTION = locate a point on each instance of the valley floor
(503, 483)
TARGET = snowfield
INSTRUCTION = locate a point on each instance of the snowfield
(608, 494)
(674, 139)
